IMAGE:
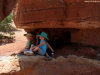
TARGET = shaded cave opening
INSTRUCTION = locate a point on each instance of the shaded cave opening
(61, 42)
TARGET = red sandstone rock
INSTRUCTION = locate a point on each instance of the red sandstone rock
(72, 65)
(87, 52)
(6, 7)
(56, 14)
(89, 37)
(52, 14)
(61, 16)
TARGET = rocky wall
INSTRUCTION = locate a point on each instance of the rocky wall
(87, 37)
(6, 6)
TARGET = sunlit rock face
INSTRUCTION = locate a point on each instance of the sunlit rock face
(57, 14)
(39, 13)
(35, 65)
(9, 64)
(52, 13)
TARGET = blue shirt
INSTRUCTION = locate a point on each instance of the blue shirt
(43, 47)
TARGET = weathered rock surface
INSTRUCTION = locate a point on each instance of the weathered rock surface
(77, 50)
(36, 65)
(87, 37)
(6, 6)
(57, 14)
(9, 64)
(52, 13)
(56, 17)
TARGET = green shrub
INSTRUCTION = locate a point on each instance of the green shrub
(5, 26)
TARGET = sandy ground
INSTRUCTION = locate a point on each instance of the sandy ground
(20, 42)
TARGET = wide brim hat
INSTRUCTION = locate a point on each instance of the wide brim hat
(28, 35)
(43, 34)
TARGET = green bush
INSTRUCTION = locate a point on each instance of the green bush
(5, 26)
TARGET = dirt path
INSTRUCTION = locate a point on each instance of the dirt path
(16, 46)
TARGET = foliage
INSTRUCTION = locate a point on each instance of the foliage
(5, 25)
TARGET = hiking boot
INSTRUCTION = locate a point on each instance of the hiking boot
(52, 54)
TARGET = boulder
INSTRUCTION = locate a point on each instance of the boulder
(36, 65)
(56, 14)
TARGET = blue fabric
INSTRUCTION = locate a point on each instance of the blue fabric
(41, 53)
(43, 48)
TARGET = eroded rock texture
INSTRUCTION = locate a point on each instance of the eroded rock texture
(87, 37)
(9, 64)
(62, 16)
(52, 13)
(72, 65)
(6, 6)
(57, 14)
(39, 12)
